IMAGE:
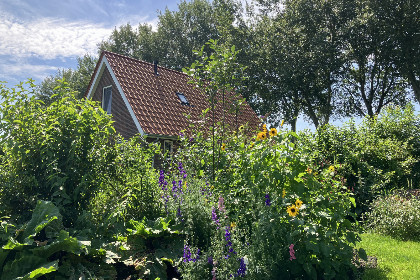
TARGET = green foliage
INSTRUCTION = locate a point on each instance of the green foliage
(218, 75)
(129, 191)
(396, 216)
(56, 153)
(78, 80)
(377, 156)
(35, 250)
(255, 186)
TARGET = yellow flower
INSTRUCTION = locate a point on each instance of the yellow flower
(284, 193)
(241, 128)
(273, 132)
(308, 170)
(264, 128)
(185, 185)
(292, 210)
(298, 203)
(282, 122)
(232, 225)
(331, 168)
(223, 147)
(252, 145)
(212, 187)
(261, 136)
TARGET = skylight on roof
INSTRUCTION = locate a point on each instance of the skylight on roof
(183, 99)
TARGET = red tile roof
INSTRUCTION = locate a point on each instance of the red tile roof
(154, 100)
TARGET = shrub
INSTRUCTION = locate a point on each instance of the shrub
(57, 152)
(129, 190)
(395, 215)
(376, 157)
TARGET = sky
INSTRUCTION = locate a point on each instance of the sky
(38, 37)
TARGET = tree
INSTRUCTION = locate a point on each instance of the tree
(399, 22)
(178, 33)
(78, 80)
(299, 55)
(371, 80)
(217, 75)
(138, 43)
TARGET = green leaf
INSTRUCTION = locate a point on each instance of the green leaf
(44, 214)
(45, 269)
(353, 201)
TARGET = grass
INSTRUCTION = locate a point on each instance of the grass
(396, 259)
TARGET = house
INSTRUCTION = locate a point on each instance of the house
(152, 100)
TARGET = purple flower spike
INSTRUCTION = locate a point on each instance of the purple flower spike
(214, 217)
(242, 267)
(267, 200)
(187, 254)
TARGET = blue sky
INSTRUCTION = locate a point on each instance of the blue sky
(37, 37)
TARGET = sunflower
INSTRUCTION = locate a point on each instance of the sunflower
(263, 135)
(292, 210)
(331, 168)
(223, 147)
(273, 132)
(298, 203)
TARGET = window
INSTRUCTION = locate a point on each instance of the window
(107, 99)
(167, 148)
(183, 99)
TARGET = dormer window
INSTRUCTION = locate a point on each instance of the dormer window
(107, 99)
(183, 99)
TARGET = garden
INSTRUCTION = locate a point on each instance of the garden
(79, 202)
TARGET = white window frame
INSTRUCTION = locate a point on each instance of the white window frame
(110, 100)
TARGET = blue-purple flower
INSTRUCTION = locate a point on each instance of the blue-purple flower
(229, 243)
(214, 217)
(267, 200)
(187, 254)
(242, 267)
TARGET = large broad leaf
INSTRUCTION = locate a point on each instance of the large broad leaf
(45, 214)
(23, 264)
(40, 271)
(64, 243)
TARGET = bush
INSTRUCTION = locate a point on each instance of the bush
(57, 152)
(379, 155)
(395, 215)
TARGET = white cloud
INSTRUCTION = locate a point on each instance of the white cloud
(49, 38)
(9, 72)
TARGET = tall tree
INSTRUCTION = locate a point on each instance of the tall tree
(371, 79)
(137, 42)
(77, 80)
(178, 33)
(400, 36)
(299, 59)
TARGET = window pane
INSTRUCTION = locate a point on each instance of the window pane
(107, 100)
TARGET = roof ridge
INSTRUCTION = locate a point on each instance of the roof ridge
(144, 62)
